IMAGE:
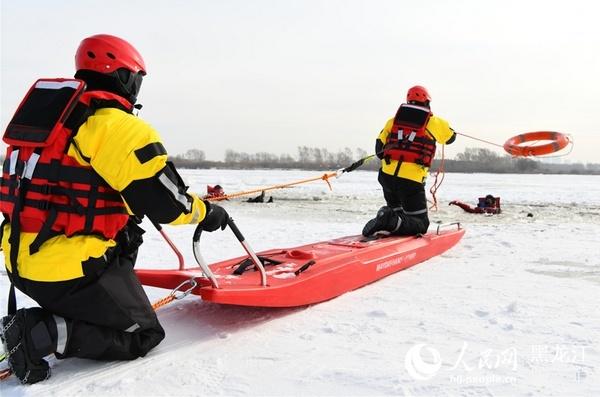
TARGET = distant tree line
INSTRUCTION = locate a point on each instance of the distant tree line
(311, 158)
(308, 158)
(485, 160)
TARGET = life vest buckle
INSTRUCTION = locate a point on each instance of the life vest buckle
(44, 205)
(20, 167)
(45, 189)
(80, 209)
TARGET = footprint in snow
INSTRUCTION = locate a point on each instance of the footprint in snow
(377, 313)
(481, 313)
(512, 307)
(307, 336)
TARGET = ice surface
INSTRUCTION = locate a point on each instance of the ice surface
(511, 310)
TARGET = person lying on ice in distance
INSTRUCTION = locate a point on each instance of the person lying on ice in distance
(406, 147)
(260, 198)
(486, 205)
(80, 171)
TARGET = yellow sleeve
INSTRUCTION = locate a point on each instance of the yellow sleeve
(439, 129)
(128, 154)
(108, 141)
(383, 135)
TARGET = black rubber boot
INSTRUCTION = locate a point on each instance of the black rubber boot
(386, 220)
(28, 336)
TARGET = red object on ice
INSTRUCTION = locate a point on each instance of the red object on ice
(483, 207)
(214, 191)
(308, 274)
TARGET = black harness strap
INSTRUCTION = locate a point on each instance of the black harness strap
(44, 233)
(66, 173)
(73, 193)
(72, 209)
(398, 164)
(59, 190)
(89, 218)
(418, 145)
(53, 171)
(78, 116)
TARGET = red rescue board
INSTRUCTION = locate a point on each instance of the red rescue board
(310, 273)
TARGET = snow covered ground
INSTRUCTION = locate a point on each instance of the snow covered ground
(511, 310)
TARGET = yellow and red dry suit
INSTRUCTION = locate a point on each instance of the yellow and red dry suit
(407, 143)
(77, 166)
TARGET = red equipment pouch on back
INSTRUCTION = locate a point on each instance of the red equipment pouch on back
(43, 112)
(412, 116)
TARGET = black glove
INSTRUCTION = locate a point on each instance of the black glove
(216, 217)
(130, 238)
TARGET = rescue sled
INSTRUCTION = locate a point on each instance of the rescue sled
(302, 275)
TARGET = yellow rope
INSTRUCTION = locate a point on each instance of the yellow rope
(325, 177)
(4, 374)
(479, 139)
(162, 302)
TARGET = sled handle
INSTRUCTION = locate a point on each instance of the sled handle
(441, 225)
(240, 237)
(249, 251)
(202, 262)
(160, 229)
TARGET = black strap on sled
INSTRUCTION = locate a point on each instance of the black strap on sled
(305, 267)
(248, 262)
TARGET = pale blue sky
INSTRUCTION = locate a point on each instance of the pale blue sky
(274, 75)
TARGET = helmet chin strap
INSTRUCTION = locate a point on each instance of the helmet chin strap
(109, 82)
(424, 104)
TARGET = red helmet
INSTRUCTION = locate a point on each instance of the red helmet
(418, 93)
(105, 54)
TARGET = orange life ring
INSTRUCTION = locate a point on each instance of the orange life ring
(558, 141)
